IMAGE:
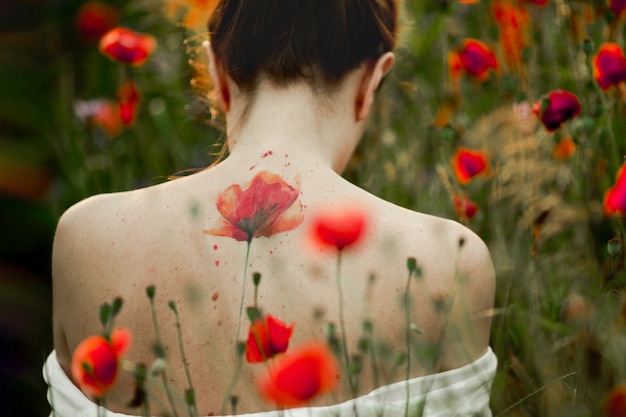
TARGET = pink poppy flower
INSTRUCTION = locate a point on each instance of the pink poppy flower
(615, 197)
(299, 376)
(95, 362)
(267, 206)
(609, 65)
(127, 46)
(468, 164)
(556, 107)
(267, 337)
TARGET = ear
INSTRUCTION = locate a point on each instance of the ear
(370, 83)
(219, 78)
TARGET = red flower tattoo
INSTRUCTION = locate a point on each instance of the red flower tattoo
(267, 206)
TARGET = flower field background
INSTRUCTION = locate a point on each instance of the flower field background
(506, 115)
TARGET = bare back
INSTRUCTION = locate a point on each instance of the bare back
(118, 244)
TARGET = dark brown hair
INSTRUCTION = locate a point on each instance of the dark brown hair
(318, 41)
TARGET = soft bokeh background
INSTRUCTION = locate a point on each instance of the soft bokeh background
(560, 323)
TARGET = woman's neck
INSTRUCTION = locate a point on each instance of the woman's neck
(296, 121)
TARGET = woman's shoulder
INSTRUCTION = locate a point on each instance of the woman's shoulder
(99, 209)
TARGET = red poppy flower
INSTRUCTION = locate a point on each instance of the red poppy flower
(512, 20)
(100, 112)
(615, 197)
(266, 338)
(468, 163)
(556, 107)
(267, 206)
(94, 19)
(614, 404)
(617, 6)
(128, 99)
(609, 65)
(476, 58)
(126, 45)
(564, 149)
(340, 227)
(299, 376)
(465, 208)
(95, 362)
(468, 1)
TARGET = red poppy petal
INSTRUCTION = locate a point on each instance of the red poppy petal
(562, 106)
(126, 45)
(267, 206)
(340, 228)
(609, 65)
(615, 197)
(467, 164)
(95, 18)
(279, 334)
(476, 58)
(614, 404)
(258, 347)
(94, 366)
(310, 370)
(120, 341)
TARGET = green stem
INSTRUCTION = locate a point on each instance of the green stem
(344, 339)
(161, 354)
(101, 404)
(407, 312)
(231, 387)
(189, 395)
(243, 290)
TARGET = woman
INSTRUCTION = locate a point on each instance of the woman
(296, 81)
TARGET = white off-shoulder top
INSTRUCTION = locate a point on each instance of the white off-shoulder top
(463, 391)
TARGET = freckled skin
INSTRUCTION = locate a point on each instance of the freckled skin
(184, 255)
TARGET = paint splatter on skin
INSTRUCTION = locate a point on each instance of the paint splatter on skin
(214, 247)
(266, 154)
(215, 296)
(217, 263)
